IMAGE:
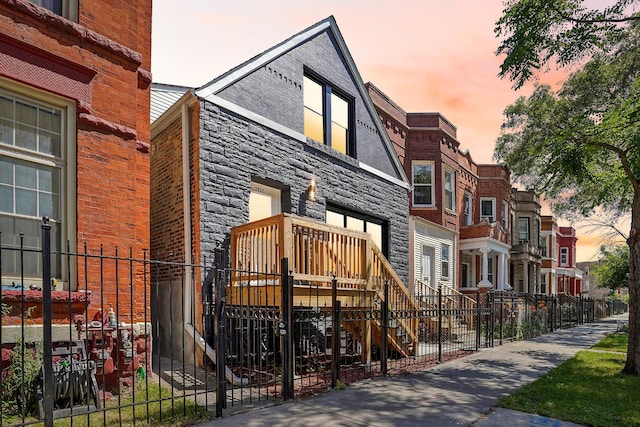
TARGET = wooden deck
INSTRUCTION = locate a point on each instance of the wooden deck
(317, 253)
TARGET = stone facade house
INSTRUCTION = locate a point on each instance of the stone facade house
(291, 131)
(527, 239)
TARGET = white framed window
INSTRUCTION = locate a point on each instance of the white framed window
(445, 258)
(467, 209)
(505, 215)
(327, 116)
(488, 208)
(65, 8)
(422, 178)
(543, 283)
(564, 256)
(523, 229)
(449, 189)
(37, 177)
(543, 246)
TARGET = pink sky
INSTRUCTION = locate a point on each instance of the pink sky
(427, 56)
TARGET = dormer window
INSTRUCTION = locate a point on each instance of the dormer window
(327, 116)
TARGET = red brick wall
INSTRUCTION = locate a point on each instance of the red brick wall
(111, 46)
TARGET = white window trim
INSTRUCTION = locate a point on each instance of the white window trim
(528, 239)
(468, 216)
(451, 173)
(505, 215)
(566, 255)
(445, 273)
(433, 195)
(493, 207)
(68, 187)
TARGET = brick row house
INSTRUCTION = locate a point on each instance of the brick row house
(460, 211)
(74, 147)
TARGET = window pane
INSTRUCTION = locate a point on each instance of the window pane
(355, 224)
(335, 218)
(6, 172)
(45, 179)
(48, 205)
(338, 138)
(313, 126)
(49, 143)
(26, 202)
(312, 95)
(487, 208)
(422, 195)
(375, 230)
(26, 137)
(6, 108)
(26, 114)
(339, 111)
(26, 176)
(6, 199)
(6, 132)
(422, 174)
(50, 120)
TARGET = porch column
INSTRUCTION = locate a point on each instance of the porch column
(525, 276)
(503, 272)
(485, 283)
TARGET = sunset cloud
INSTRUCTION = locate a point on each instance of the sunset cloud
(427, 56)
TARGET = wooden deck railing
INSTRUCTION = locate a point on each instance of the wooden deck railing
(317, 252)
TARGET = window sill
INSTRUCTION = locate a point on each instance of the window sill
(64, 305)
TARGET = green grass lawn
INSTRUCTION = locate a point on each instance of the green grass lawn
(588, 389)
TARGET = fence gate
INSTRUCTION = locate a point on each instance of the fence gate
(252, 325)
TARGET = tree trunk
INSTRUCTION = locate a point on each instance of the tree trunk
(632, 365)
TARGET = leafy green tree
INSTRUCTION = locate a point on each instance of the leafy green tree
(613, 270)
(580, 146)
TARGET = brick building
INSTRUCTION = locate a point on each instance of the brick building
(569, 275)
(74, 142)
(459, 223)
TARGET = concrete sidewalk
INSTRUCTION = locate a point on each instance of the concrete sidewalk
(462, 392)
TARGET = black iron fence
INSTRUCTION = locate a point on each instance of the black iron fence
(138, 340)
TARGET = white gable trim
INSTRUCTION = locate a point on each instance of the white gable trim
(217, 85)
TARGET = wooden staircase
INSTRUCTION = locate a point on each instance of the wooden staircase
(317, 254)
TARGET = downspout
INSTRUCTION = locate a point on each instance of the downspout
(188, 289)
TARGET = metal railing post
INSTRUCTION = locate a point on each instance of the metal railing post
(336, 333)
(46, 320)
(440, 322)
(385, 330)
(219, 332)
(287, 337)
(478, 317)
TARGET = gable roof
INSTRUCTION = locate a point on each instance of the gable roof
(163, 96)
(209, 90)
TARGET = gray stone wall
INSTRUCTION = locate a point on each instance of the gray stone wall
(235, 151)
(275, 92)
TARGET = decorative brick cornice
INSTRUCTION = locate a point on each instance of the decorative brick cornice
(144, 78)
(143, 147)
(105, 125)
(70, 27)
